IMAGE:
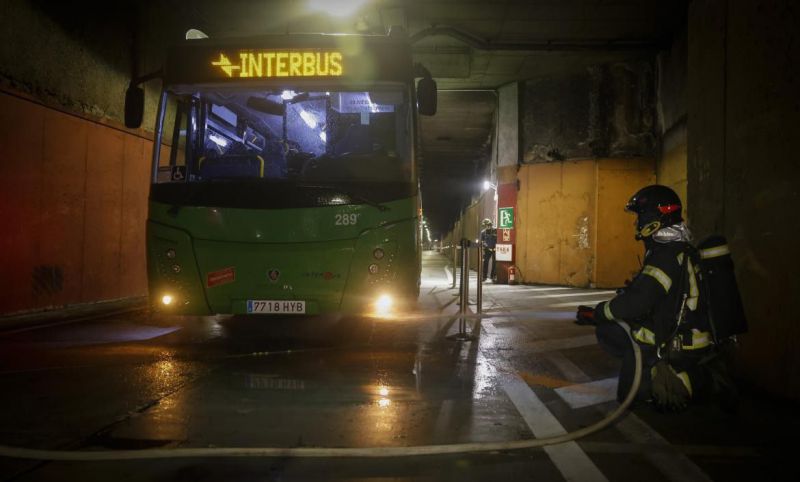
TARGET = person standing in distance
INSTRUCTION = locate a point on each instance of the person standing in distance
(489, 242)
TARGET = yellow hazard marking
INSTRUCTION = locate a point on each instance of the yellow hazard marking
(544, 380)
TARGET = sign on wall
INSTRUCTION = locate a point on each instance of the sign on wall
(505, 235)
(506, 218)
(503, 252)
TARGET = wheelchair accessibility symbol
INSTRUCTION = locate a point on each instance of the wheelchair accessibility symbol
(178, 173)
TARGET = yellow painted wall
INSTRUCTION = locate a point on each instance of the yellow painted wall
(618, 253)
(572, 229)
(671, 171)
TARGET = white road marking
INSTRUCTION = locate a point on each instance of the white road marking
(569, 458)
(575, 304)
(448, 273)
(591, 393)
(549, 288)
(570, 295)
(560, 343)
(675, 466)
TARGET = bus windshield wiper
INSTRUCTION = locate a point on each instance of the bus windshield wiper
(350, 194)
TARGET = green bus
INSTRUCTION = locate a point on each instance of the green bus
(284, 177)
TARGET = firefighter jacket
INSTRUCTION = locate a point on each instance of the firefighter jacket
(651, 303)
(489, 238)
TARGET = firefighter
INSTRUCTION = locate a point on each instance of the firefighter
(489, 242)
(663, 306)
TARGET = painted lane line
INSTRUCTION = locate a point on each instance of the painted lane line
(675, 466)
(448, 273)
(575, 304)
(560, 343)
(569, 458)
(550, 288)
(571, 295)
(591, 393)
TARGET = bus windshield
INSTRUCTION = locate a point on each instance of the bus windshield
(294, 136)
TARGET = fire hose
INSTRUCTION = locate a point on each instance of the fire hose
(352, 452)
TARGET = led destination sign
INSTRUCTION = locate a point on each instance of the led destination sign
(269, 64)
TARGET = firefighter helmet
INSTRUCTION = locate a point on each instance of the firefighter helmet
(486, 222)
(655, 207)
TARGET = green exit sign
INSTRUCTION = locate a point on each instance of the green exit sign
(505, 218)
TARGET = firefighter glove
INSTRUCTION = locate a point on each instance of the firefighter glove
(585, 316)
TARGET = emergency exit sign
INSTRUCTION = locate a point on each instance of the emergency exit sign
(505, 218)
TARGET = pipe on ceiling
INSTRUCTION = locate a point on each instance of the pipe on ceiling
(480, 43)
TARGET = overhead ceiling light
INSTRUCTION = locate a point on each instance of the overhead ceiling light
(336, 8)
(195, 34)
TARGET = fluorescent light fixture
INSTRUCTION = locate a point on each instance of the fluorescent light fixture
(308, 118)
(220, 141)
(195, 34)
(336, 8)
(288, 94)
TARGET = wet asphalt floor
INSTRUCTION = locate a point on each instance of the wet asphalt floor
(137, 381)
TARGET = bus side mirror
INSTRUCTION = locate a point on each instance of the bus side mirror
(134, 107)
(426, 96)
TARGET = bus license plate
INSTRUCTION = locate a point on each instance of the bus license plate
(276, 306)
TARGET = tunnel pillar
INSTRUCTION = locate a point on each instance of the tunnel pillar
(507, 167)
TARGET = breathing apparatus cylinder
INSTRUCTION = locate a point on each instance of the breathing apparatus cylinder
(726, 311)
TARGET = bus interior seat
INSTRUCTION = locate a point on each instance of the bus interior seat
(246, 165)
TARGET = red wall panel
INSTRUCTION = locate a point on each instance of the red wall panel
(21, 144)
(103, 209)
(60, 234)
(73, 202)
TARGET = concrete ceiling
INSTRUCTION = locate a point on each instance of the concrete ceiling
(470, 47)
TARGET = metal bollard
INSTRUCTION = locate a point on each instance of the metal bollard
(464, 276)
(455, 262)
(479, 288)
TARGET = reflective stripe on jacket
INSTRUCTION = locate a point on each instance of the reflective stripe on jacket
(653, 298)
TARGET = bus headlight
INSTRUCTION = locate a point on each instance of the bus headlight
(383, 305)
(378, 254)
(170, 254)
(373, 268)
(166, 300)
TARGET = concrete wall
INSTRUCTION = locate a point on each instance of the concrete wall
(672, 76)
(74, 203)
(80, 62)
(743, 126)
(508, 125)
(606, 111)
(562, 207)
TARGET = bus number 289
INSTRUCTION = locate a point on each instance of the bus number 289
(345, 219)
